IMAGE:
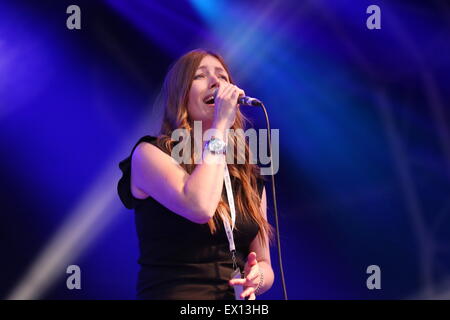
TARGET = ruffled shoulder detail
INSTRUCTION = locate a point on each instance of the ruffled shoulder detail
(124, 186)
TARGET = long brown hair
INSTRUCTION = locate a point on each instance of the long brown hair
(173, 98)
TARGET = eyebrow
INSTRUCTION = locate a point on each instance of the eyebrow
(216, 68)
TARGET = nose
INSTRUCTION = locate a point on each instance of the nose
(214, 82)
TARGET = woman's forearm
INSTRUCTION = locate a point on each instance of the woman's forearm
(268, 276)
(204, 185)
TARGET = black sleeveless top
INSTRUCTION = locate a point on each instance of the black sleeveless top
(180, 259)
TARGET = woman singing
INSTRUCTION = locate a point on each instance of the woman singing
(195, 231)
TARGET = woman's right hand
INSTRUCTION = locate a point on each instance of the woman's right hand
(226, 104)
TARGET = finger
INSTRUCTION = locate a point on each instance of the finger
(238, 91)
(247, 292)
(238, 94)
(241, 93)
(233, 92)
(221, 88)
(220, 91)
(251, 259)
(234, 282)
(228, 87)
(252, 297)
(216, 92)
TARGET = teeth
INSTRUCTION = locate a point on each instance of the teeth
(209, 99)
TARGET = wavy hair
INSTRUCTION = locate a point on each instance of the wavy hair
(173, 99)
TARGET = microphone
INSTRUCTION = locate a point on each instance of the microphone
(248, 101)
(244, 100)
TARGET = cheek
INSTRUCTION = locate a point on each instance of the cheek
(194, 95)
(192, 101)
(193, 91)
(193, 107)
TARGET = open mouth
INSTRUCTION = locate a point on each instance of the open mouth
(209, 100)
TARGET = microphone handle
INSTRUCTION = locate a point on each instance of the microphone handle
(248, 101)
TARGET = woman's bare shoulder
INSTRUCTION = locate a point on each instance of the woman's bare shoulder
(152, 168)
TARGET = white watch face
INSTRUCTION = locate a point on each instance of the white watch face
(216, 145)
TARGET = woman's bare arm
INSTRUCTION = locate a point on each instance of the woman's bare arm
(195, 196)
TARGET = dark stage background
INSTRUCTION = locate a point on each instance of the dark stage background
(364, 174)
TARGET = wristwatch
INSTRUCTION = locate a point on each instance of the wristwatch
(216, 146)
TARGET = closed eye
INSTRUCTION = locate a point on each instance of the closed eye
(202, 75)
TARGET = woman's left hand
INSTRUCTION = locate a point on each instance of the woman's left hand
(251, 277)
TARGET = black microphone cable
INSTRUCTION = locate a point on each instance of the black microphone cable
(283, 283)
